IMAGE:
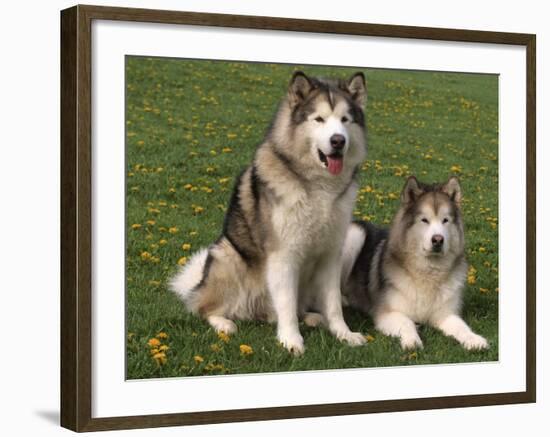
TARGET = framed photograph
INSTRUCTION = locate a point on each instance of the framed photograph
(268, 218)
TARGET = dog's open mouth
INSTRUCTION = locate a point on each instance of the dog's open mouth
(333, 162)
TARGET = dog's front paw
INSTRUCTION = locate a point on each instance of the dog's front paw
(222, 324)
(475, 342)
(411, 341)
(293, 342)
(352, 338)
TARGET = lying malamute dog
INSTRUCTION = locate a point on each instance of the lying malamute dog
(278, 256)
(415, 272)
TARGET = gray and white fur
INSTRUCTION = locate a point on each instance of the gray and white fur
(279, 254)
(415, 271)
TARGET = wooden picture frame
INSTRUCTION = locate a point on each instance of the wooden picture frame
(76, 217)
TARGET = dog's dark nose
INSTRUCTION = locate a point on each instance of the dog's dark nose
(337, 141)
(437, 241)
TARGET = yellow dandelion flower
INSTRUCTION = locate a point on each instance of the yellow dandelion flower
(197, 209)
(162, 242)
(162, 203)
(186, 246)
(212, 367)
(163, 348)
(246, 349)
(482, 249)
(188, 186)
(483, 290)
(209, 169)
(153, 342)
(223, 337)
(472, 275)
(160, 358)
(227, 150)
(193, 233)
(231, 136)
(136, 226)
(223, 180)
(215, 347)
(151, 222)
(213, 152)
(154, 351)
(182, 261)
(456, 169)
(153, 210)
(162, 335)
(171, 190)
(369, 338)
(198, 359)
(145, 256)
(392, 196)
(173, 230)
(155, 259)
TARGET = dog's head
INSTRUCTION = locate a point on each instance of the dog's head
(430, 217)
(327, 118)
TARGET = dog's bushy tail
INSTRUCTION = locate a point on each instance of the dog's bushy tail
(189, 276)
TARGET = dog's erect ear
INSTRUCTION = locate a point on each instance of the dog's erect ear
(453, 190)
(411, 190)
(357, 87)
(299, 88)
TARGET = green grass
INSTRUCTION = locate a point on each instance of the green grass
(191, 127)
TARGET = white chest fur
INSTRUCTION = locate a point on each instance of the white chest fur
(313, 223)
(426, 298)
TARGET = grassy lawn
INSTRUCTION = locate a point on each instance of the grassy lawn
(191, 127)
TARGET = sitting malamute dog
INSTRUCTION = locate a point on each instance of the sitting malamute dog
(415, 272)
(278, 256)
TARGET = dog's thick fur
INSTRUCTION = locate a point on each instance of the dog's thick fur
(278, 257)
(415, 272)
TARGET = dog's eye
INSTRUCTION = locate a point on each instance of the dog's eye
(319, 119)
(445, 220)
(424, 220)
(345, 119)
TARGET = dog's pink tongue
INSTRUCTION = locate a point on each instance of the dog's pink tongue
(335, 165)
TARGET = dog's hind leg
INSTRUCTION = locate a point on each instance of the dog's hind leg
(222, 324)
